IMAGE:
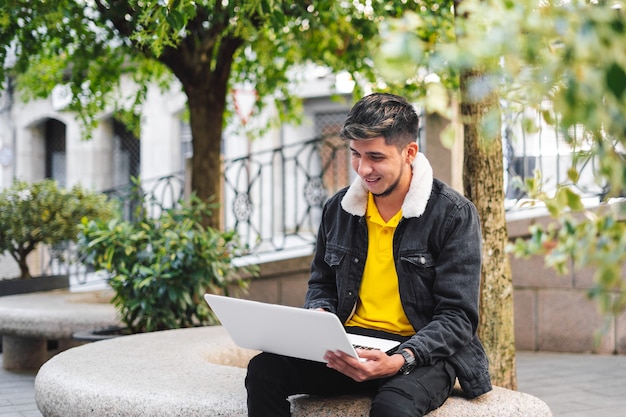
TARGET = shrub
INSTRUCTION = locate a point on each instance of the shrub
(43, 212)
(161, 267)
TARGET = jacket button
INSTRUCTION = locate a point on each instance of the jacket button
(422, 260)
(355, 260)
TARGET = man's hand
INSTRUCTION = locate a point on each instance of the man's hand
(377, 364)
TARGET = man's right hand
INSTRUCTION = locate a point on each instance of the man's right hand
(377, 364)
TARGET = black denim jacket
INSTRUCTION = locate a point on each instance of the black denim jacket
(437, 252)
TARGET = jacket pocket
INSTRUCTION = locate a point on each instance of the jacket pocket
(334, 256)
(337, 259)
(419, 267)
(421, 260)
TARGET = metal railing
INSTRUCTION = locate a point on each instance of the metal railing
(274, 198)
(137, 199)
(545, 149)
(148, 197)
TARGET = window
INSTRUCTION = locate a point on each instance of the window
(333, 151)
(54, 134)
(126, 155)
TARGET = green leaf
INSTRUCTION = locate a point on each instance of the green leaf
(572, 199)
(616, 80)
(143, 283)
(176, 20)
(554, 207)
(573, 175)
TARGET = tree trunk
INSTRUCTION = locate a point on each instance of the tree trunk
(206, 118)
(23, 264)
(484, 185)
(205, 82)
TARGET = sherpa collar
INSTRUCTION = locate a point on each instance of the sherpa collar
(355, 199)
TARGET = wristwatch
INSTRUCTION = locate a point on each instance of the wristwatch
(409, 362)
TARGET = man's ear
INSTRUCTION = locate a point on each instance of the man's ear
(411, 152)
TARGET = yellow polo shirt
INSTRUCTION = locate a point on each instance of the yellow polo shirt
(379, 305)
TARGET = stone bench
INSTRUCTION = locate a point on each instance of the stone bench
(200, 372)
(29, 321)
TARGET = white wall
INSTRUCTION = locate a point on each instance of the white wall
(160, 132)
(90, 162)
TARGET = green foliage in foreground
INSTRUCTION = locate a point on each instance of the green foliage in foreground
(581, 238)
(565, 61)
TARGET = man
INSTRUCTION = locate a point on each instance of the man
(398, 255)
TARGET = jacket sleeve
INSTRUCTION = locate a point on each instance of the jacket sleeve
(455, 288)
(322, 286)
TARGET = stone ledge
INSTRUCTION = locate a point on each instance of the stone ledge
(200, 372)
(28, 321)
(498, 403)
(55, 314)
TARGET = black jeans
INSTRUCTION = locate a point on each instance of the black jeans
(272, 378)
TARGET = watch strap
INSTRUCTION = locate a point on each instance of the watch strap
(409, 362)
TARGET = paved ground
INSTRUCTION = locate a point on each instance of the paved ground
(575, 385)
(572, 385)
(17, 397)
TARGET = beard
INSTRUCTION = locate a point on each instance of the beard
(392, 187)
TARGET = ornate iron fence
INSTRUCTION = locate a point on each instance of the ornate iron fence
(156, 194)
(274, 198)
(148, 197)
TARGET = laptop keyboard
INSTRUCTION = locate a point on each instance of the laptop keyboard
(365, 347)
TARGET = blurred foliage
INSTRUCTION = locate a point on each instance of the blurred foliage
(567, 61)
(44, 213)
(410, 54)
(581, 238)
(160, 267)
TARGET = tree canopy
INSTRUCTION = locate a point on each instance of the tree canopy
(208, 45)
(211, 45)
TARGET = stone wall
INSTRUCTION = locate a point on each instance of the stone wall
(281, 282)
(552, 312)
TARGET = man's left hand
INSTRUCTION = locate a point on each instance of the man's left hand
(373, 364)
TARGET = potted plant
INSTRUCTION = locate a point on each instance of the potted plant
(42, 213)
(160, 267)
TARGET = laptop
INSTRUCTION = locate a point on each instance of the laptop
(289, 331)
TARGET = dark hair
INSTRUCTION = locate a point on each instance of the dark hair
(382, 114)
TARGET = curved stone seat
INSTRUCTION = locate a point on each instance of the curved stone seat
(200, 372)
(28, 321)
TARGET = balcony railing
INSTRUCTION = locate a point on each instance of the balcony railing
(274, 198)
(157, 194)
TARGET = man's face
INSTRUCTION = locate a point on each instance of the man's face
(382, 167)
